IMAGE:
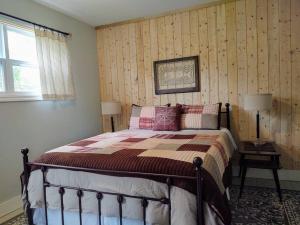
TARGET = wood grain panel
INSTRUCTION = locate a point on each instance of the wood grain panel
(213, 54)
(285, 70)
(161, 37)
(244, 46)
(251, 60)
(126, 106)
(154, 54)
(133, 64)
(204, 63)
(262, 61)
(147, 62)
(140, 64)
(121, 120)
(285, 77)
(232, 62)
(273, 61)
(178, 46)
(295, 47)
(170, 50)
(242, 84)
(108, 78)
(194, 27)
(222, 53)
(186, 47)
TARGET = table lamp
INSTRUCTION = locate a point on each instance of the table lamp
(111, 108)
(258, 102)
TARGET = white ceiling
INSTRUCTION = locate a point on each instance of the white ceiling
(99, 12)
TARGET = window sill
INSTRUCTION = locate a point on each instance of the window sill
(19, 97)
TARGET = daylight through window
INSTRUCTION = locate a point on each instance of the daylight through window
(19, 73)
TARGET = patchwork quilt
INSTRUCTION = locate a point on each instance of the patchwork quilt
(156, 152)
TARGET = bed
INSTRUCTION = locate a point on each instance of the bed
(133, 177)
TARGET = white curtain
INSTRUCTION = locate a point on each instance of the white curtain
(54, 64)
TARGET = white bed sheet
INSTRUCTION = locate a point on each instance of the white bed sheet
(72, 218)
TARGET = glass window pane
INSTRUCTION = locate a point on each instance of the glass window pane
(2, 46)
(2, 85)
(26, 79)
(21, 45)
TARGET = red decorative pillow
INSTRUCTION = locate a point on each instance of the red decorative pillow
(167, 118)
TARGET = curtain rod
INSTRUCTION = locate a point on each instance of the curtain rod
(36, 24)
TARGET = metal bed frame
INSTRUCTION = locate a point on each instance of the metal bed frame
(120, 197)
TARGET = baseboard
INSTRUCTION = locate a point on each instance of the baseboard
(284, 175)
(289, 179)
(10, 208)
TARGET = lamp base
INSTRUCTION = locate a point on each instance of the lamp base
(112, 124)
(259, 142)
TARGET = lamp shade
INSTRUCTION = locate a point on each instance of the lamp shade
(258, 102)
(111, 108)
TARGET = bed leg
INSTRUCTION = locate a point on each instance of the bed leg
(199, 197)
(26, 169)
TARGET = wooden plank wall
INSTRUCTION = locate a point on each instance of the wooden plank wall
(245, 46)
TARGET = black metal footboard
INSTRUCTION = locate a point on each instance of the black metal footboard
(120, 197)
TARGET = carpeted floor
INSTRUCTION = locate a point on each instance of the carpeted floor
(258, 206)
(261, 206)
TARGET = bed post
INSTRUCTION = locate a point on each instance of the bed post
(26, 173)
(199, 197)
(219, 115)
(227, 105)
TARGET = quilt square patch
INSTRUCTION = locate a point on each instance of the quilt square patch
(85, 150)
(183, 136)
(185, 156)
(83, 143)
(134, 139)
(154, 142)
(107, 150)
(194, 147)
(205, 137)
(201, 142)
(168, 146)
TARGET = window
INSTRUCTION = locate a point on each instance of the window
(19, 73)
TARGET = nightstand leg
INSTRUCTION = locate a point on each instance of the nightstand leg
(277, 184)
(244, 172)
(241, 163)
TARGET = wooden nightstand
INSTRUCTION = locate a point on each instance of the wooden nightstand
(270, 160)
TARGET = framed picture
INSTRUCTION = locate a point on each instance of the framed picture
(179, 75)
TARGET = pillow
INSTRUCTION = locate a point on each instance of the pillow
(142, 117)
(200, 116)
(167, 118)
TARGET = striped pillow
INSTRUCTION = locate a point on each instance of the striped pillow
(200, 116)
(142, 117)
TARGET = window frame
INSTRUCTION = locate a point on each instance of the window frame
(9, 93)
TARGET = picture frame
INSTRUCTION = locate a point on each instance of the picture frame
(179, 75)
